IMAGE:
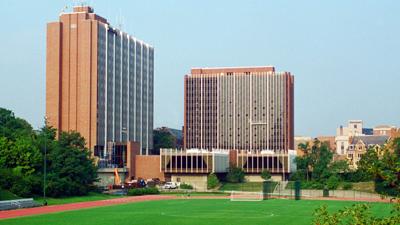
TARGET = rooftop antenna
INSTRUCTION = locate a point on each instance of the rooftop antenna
(119, 20)
(64, 9)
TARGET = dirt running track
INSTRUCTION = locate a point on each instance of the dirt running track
(84, 205)
(80, 205)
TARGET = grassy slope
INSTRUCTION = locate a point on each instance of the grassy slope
(364, 186)
(247, 186)
(194, 211)
(90, 197)
(6, 195)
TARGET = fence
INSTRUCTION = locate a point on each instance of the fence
(283, 190)
(18, 203)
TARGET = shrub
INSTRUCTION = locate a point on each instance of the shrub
(347, 186)
(356, 214)
(357, 176)
(212, 181)
(235, 175)
(265, 175)
(333, 182)
(186, 186)
(143, 191)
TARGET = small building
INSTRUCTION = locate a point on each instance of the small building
(359, 146)
(384, 130)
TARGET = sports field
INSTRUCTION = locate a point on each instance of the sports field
(194, 211)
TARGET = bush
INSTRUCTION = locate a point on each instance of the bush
(212, 181)
(333, 182)
(186, 186)
(307, 185)
(235, 175)
(357, 176)
(356, 214)
(347, 186)
(143, 191)
(265, 175)
(385, 188)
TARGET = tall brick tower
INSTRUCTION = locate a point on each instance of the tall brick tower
(99, 81)
(239, 108)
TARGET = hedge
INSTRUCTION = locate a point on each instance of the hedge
(143, 191)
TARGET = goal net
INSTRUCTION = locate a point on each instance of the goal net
(246, 196)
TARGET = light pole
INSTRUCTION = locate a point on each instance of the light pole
(45, 163)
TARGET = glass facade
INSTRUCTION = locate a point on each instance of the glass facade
(125, 89)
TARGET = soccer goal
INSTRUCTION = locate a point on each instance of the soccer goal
(246, 196)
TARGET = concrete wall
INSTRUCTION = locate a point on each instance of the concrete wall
(257, 177)
(198, 181)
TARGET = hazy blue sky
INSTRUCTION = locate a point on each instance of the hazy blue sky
(345, 55)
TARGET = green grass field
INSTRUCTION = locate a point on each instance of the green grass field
(194, 211)
(92, 196)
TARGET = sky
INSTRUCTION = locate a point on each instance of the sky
(345, 55)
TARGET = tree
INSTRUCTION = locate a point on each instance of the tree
(163, 139)
(356, 214)
(384, 167)
(212, 181)
(304, 162)
(265, 175)
(71, 171)
(340, 166)
(12, 127)
(235, 174)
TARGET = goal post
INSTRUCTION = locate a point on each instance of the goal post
(246, 196)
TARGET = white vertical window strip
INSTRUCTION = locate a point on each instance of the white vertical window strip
(251, 113)
(105, 93)
(128, 89)
(147, 99)
(121, 92)
(268, 113)
(201, 109)
(134, 90)
(114, 87)
(141, 98)
(234, 110)
(218, 113)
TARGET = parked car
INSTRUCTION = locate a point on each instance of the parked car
(170, 185)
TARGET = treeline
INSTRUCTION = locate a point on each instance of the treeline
(69, 167)
(317, 169)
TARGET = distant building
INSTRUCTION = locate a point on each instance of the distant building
(384, 130)
(343, 135)
(241, 108)
(302, 140)
(329, 141)
(359, 146)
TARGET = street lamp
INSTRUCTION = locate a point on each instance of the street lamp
(45, 163)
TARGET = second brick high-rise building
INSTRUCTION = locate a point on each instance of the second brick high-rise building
(241, 108)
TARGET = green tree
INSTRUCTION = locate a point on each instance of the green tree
(163, 139)
(212, 181)
(265, 175)
(12, 127)
(71, 171)
(340, 166)
(356, 214)
(235, 174)
(384, 167)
